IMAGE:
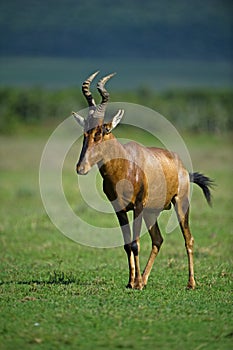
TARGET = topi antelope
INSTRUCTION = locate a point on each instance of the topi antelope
(146, 180)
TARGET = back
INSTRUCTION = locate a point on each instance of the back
(160, 169)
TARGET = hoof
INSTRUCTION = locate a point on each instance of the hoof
(191, 286)
(138, 285)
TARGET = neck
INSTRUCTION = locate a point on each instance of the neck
(113, 153)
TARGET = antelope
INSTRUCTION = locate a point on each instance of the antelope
(145, 180)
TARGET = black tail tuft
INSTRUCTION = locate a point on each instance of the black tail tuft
(204, 182)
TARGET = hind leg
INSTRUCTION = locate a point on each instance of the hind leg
(182, 211)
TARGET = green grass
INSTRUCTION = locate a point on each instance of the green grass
(56, 294)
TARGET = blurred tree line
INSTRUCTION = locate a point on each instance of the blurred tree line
(190, 110)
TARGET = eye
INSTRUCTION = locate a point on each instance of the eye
(97, 135)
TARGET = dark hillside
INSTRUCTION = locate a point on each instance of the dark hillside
(130, 28)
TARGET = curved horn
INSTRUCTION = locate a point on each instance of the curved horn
(99, 113)
(86, 89)
(100, 86)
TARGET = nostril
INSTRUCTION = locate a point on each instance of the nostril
(80, 169)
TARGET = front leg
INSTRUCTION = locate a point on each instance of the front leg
(157, 240)
(124, 223)
(137, 224)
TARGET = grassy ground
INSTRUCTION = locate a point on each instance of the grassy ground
(56, 294)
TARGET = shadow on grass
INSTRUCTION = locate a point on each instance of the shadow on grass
(55, 278)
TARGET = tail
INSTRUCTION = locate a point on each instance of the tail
(205, 183)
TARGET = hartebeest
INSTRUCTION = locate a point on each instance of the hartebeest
(146, 180)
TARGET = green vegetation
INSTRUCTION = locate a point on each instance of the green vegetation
(56, 294)
(189, 110)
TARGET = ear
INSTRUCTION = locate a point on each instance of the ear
(79, 119)
(108, 127)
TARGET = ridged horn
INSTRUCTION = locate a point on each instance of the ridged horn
(100, 110)
(86, 89)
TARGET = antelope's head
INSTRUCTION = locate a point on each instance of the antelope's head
(95, 130)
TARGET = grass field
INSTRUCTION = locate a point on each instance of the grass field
(56, 294)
